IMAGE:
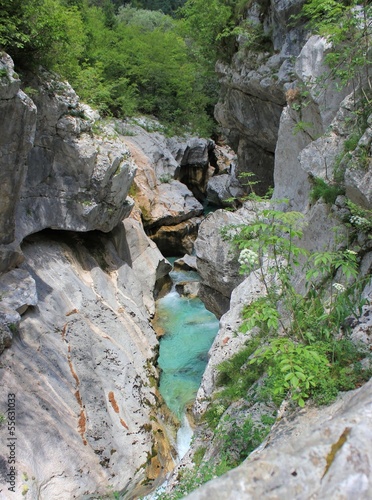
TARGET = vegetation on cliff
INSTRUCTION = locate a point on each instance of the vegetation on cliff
(124, 59)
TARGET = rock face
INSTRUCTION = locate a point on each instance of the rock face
(74, 181)
(310, 452)
(305, 119)
(321, 453)
(217, 260)
(253, 88)
(82, 362)
(143, 256)
(227, 341)
(16, 139)
(168, 208)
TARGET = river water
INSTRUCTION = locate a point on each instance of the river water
(189, 330)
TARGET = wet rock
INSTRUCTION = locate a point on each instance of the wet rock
(176, 239)
(186, 263)
(189, 289)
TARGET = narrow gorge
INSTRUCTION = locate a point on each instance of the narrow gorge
(93, 213)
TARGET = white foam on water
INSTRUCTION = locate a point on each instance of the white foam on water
(184, 435)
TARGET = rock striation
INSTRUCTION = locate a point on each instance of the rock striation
(75, 303)
(80, 368)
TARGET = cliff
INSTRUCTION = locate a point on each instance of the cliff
(78, 285)
(302, 127)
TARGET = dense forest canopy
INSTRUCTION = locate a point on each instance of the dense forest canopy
(152, 57)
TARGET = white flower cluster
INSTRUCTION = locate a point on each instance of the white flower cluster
(339, 287)
(360, 222)
(248, 257)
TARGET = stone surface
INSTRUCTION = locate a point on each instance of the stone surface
(17, 130)
(318, 453)
(253, 88)
(74, 181)
(358, 175)
(80, 369)
(298, 152)
(161, 203)
(217, 259)
(178, 238)
(188, 288)
(228, 340)
(9, 323)
(194, 158)
(186, 263)
(143, 256)
(17, 290)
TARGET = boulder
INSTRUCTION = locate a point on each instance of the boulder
(194, 156)
(217, 259)
(17, 290)
(189, 289)
(186, 263)
(143, 256)
(178, 238)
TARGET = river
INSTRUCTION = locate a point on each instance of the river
(189, 331)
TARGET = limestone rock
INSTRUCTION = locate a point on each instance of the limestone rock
(188, 288)
(80, 369)
(253, 88)
(155, 148)
(358, 175)
(178, 238)
(218, 192)
(310, 66)
(193, 156)
(148, 264)
(73, 182)
(18, 290)
(16, 138)
(228, 340)
(216, 259)
(9, 323)
(320, 453)
(186, 263)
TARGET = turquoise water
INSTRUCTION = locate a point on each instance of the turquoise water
(189, 332)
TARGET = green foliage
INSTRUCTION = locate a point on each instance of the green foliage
(327, 191)
(296, 331)
(239, 439)
(293, 367)
(251, 33)
(361, 218)
(148, 20)
(42, 32)
(166, 6)
(191, 479)
(347, 25)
